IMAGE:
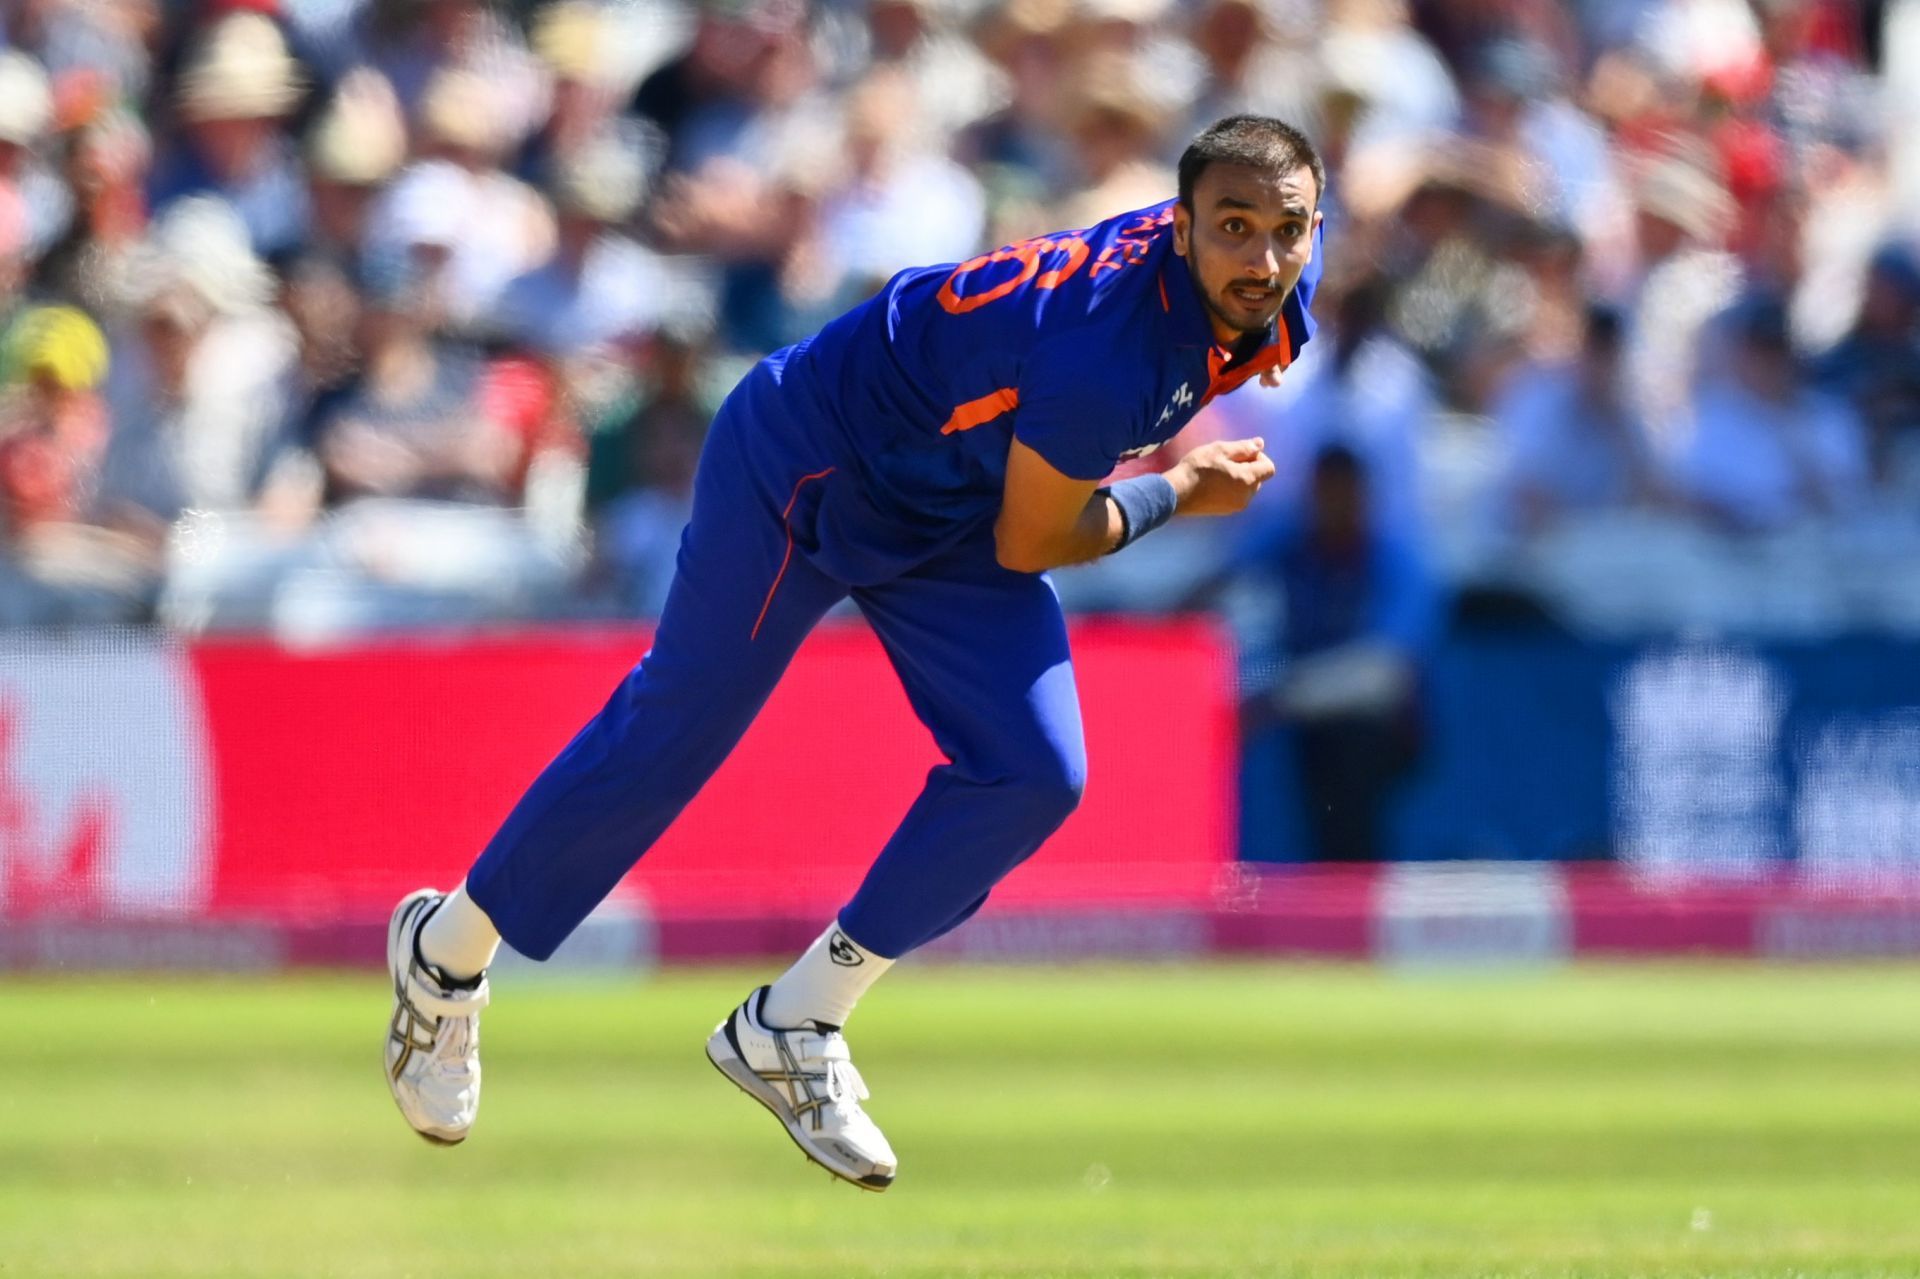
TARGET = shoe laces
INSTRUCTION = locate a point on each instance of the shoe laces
(455, 1020)
(845, 1088)
(453, 1043)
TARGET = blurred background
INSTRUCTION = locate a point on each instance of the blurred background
(355, 356)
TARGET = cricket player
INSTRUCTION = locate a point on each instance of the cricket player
(932, 454)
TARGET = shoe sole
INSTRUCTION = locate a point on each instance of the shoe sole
(727, 1062)
(396, 974)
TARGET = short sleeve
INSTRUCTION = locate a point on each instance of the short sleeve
(1073, 412)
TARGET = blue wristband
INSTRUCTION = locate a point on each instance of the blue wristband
(1146, 502)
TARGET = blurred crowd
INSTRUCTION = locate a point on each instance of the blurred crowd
(328, 316)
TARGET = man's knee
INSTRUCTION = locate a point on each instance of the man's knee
(1050, 779)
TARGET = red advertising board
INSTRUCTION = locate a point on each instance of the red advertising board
(343, 779)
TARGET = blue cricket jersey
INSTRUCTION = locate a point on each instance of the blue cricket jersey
(1087, 346)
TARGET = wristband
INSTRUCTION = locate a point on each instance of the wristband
(1146, 502)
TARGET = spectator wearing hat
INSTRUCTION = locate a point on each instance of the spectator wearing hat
(579, 43)
(1683, 278)
(599, 286)
(1250, 68)
(195, 386)
(239, 87)
(955, 83)
(455, 220)
(358, 143)
(53, 425)
(416, 44)
(57, 568)
(26, 116)
(1766, 451)
(1117, 141)
(898, 200)
(1017, 151)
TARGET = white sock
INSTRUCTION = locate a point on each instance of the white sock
(458, 938)
(825, 983)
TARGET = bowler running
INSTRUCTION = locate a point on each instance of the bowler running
(931, 454)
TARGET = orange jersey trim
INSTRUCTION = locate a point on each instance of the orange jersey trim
(978, 412)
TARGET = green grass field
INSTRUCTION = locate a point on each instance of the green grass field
(1148, 1121)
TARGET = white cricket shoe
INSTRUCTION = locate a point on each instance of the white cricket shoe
(807, 1079)
(433, 1041)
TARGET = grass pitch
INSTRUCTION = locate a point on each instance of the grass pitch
(1154, 1121)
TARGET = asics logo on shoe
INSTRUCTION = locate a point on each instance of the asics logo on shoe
(844, 952)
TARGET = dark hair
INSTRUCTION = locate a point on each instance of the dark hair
(1338, 461)
(1258, 141)
(1604, 327)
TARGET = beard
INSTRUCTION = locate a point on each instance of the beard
(1241, 320)
(1230, 310)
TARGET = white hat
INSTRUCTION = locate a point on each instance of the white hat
(1143, 13)
(241, 70)
(604, 179)
(429, 204)
(460, 108)
(360, 140)
(26, 101)
(200, 244)
(1675, 189)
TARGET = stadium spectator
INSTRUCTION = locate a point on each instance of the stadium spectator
(1573, 446)
(410, 428)
(1682, 280)
(1360, 388)
(26, 115)
(563, 178)
(195, 384)
(1876, 366)
(1766, 450)
(239, 85)
(356, 145)
(898, 203)
(599, 285)
(1361, 612)
(1116, 134)
(57, 569)
(653, 456)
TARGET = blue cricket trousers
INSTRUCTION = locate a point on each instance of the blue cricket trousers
(982, 653)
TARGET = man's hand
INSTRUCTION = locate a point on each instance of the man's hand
(1222, 477)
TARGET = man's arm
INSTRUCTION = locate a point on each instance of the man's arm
(1048, 519)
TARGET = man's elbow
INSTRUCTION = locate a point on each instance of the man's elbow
(1020, 555)
(1022, 560)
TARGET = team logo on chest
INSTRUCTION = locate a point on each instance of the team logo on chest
(1181, 399)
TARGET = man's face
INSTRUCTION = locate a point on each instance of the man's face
(1246, 241)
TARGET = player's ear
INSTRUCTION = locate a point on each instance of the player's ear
(1182, 228)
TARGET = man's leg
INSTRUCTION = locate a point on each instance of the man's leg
(983, 654)
(741, 602)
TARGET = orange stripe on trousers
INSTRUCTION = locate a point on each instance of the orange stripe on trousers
(786, 519)
(988, 407)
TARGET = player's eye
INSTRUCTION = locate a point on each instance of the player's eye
(1234, 226)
